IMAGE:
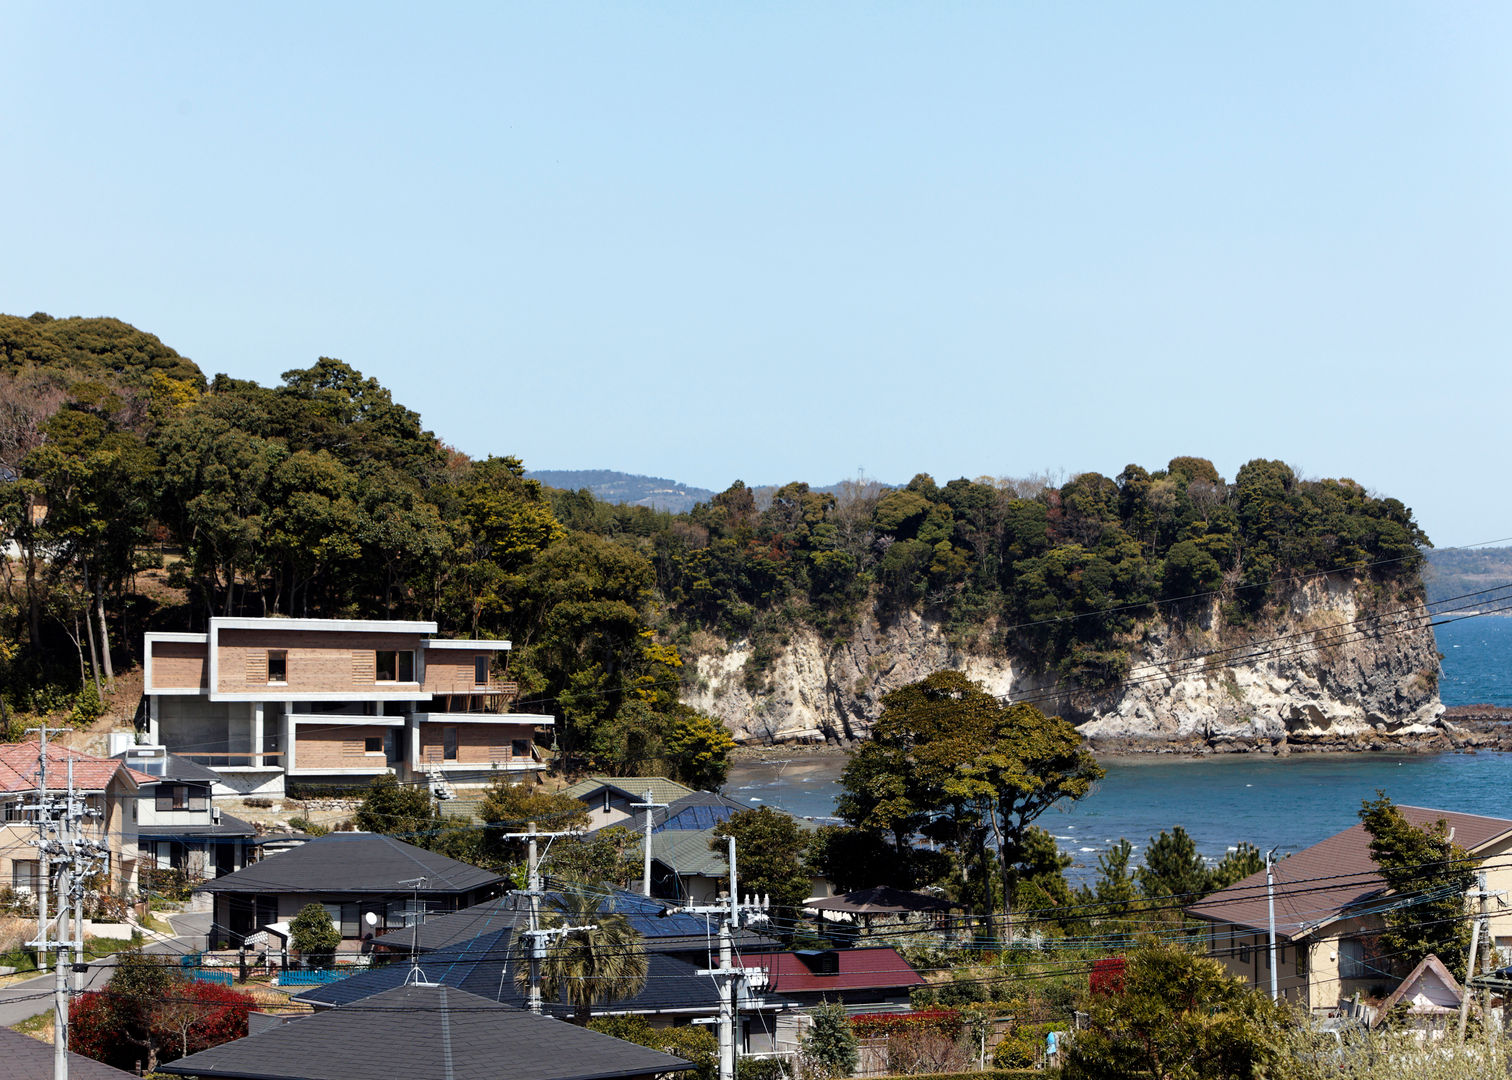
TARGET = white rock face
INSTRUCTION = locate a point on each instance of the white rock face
(1324, 672)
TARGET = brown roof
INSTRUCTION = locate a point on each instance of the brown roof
(20, 769)
(1428, 965)
(1319, 884)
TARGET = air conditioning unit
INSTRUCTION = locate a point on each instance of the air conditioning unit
(215, 814)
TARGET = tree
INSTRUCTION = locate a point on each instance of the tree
(769, 851)
(947, 758)
(1237, 865)
(1429, 874)
(585, 967)
(395, 809)
(608, 856)
(314, 935)
(698, 748)
(148, 1011)
(508, 807)
(1176, 1016)
(1173, 868)
(695, 1044)
(829, 1046)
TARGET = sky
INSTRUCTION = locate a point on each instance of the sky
(797, 241)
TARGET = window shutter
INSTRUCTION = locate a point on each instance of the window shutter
(257, 666)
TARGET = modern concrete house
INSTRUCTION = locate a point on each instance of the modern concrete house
(262, 700)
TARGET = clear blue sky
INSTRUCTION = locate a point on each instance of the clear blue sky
(790, 241)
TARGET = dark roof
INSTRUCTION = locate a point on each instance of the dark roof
(174, 768)
(345, 862)
(681, 932)
(486, 966)
(854, 969)
(426, 1033)
(1320, 884)
(880, 900)
(25, 1058)
(227, 828)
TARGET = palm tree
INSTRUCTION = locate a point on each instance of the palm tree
(607, 963)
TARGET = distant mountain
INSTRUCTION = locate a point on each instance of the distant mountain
(1461, 572)
(617, 487)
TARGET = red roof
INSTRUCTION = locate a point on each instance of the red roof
(20, 769)
(1320, 884)
(858, 969)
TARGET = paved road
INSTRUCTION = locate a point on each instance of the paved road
(23, 1000)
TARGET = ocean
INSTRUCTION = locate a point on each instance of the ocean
(1290, 802)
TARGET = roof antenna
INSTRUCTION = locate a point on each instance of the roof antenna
(415, 976)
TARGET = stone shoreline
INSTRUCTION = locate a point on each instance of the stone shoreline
(1461, 728)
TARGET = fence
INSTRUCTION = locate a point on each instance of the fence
(220, 978)
(312, 978)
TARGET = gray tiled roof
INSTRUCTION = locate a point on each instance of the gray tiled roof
(25, 1058)
(354, 863)
(662, 790)
(486, 966)
(426, 1033)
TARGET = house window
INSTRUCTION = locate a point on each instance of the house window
(394, 665)
(172, 797)
(480, 671)
(14, 811)
(519, 748)
(448, 744)
(373, 744)
(1244, 951)
(1352, 960)
(26, 875)
(278, 665)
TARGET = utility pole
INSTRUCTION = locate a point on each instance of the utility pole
(60, 842)
(732, 912)
(649, 806)
(1270, 904)
(1480, 926)
(535, 936)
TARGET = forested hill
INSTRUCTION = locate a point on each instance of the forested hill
(1465, 572)
(616, 487)
(322, 496)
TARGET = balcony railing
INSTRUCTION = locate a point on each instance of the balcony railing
(461, 682)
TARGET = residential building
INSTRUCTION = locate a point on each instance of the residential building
(265, 700)
(609, 799)
(367, 882)
(179, 826)
(109, 790)
(1329, 902)
(427, 1032)
(864, 980)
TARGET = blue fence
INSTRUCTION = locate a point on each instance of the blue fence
(313, 978)
(224, 978)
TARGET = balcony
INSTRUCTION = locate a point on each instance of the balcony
(463, 695)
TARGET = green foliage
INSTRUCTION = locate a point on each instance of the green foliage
(314, 935)
(1173, 868)
(769, 853)
(695, 1044)
(1024, 1047)
(1427, 868)
(1244, 860)
(400, 810)
(508, 807)
(1178, 1015)
(698, 748)
(829, 1046)
(610, 856)
(947, 759)
(607, 963)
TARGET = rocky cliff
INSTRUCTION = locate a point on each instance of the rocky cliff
(1324, 669)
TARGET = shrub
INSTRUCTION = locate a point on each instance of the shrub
(314, 935)
(1023, 1048)
(829, 1046)
(120, 1026)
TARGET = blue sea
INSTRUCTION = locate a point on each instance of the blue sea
(1289, 802)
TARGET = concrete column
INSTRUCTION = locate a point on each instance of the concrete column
(152, 720)
(288, 760)
(257, 734)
